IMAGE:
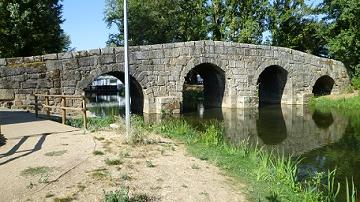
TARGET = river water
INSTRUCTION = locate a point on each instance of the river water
(324, 141)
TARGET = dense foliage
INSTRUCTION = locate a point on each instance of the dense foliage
(31, 27)
(330, 29)
(343, 31)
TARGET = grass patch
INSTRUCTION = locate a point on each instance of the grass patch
(56, 153)
(99, 138)
(66, 199)
(346, 105)
(356, 82)
(100, 174)
(98, 153)
(122, 195)
(94, 123)
(126, 177)
(34, 171)
(195, 167)
(81, 187)
(113, 162)
(150, 164)
(49, 195)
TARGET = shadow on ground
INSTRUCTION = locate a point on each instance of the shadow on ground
(2, 140)
(14, 117)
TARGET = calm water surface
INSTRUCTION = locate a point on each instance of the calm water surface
(324, 141)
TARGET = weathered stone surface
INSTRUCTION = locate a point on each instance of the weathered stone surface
(158, 73)
(50, 57)
(2, 62)
(6, 94)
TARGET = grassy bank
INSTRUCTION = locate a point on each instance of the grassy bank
(347, 105)
(268, 177)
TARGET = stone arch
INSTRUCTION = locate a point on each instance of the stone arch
(323, 86)
(271, 84)
(136, 90)
(213, 82)
(269, 63)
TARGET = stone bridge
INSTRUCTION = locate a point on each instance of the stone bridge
(235, 75)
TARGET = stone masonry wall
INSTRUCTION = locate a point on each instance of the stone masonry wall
(160, 71)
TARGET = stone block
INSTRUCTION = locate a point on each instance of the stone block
(167, 105)
(247, 102)
(107, 51)
(10, 61)
(107, 59)
(29, 85)
(94, 52)
(7, 94)
(52, 65)
(29, 59)
(67, 55)
(2, 61)
(87, 61)
(50, 57)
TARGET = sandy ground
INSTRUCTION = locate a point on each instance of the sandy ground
(72, 171)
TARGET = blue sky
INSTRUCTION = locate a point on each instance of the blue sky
(84, 23)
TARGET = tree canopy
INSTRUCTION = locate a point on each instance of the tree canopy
(330, 29)
(31, 27)
(165, 21)
(342, 31)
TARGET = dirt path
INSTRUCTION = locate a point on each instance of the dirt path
(66, 167)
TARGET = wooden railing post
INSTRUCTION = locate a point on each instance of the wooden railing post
(63, 109)
(47, 103)
(36, 106)
(84, 112)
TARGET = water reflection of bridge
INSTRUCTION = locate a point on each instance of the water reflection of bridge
(290, 128)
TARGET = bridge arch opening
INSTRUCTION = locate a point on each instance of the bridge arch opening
(323, 86)
(106, 94)
(203, 88)
(271, 84)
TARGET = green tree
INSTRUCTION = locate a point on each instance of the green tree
(165, 21)
(238, 21)
(343, 31)
(161, 21)
(31, 27)
(292, 24)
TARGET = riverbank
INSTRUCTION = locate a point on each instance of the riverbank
(267, 175)
(344, 102)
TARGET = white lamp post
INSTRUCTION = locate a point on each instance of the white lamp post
(126, 59)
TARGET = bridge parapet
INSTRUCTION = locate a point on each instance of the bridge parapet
(237, 75)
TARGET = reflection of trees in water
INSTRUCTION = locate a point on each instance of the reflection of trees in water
(2, 140)
(344, 156)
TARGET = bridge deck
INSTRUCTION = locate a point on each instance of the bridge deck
(26, 142)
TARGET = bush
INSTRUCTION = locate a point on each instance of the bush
(356, 83)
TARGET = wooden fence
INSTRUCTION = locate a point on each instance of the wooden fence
(63, 106)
